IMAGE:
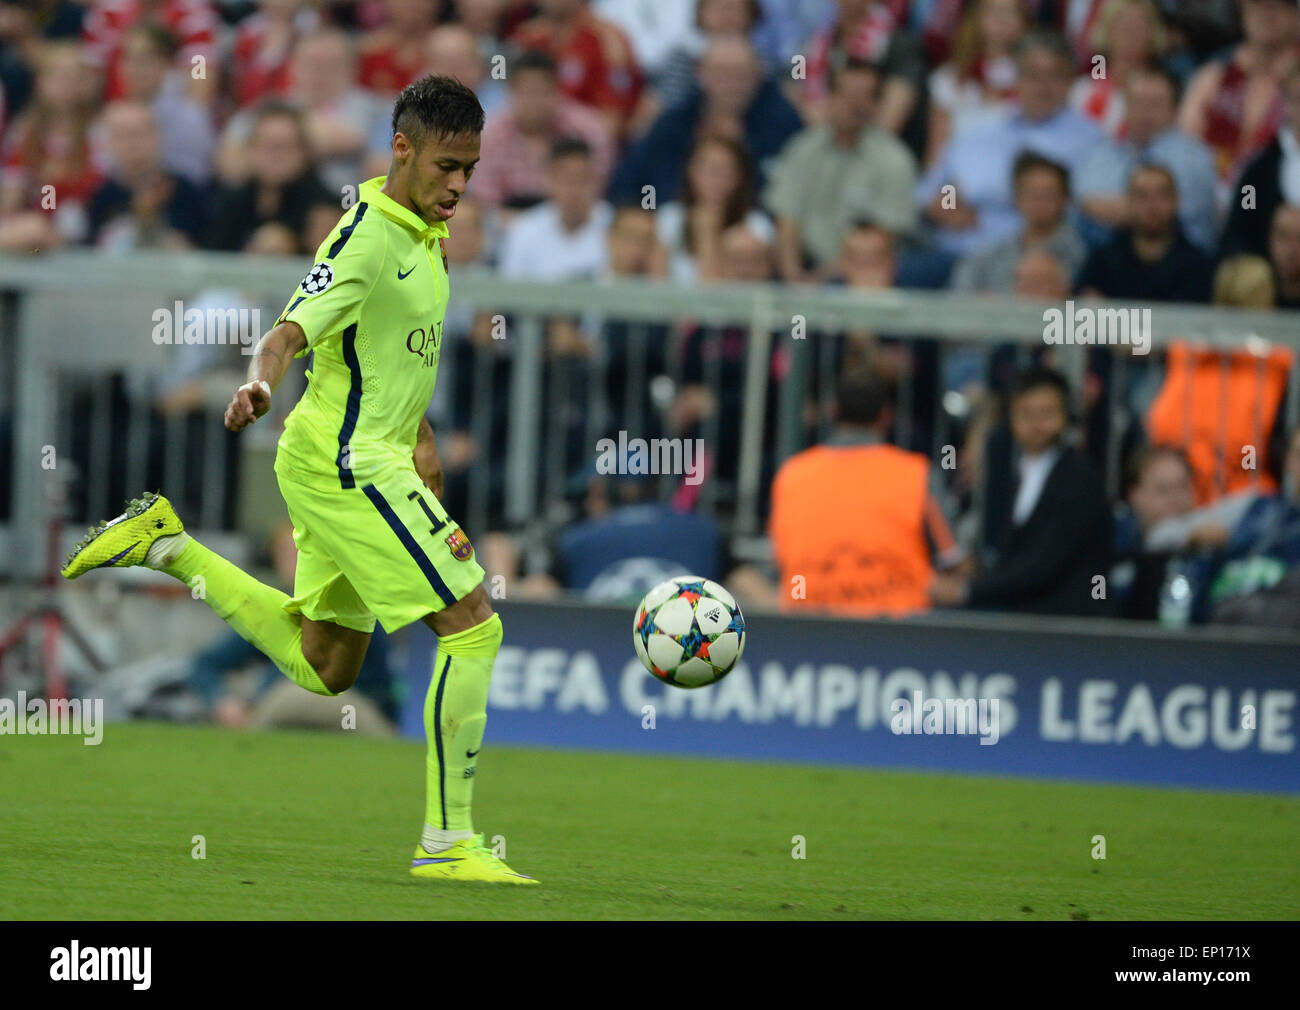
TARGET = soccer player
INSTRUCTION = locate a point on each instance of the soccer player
(360, 474)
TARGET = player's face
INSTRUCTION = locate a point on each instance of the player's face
(439, 174)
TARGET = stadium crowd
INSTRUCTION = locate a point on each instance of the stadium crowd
(1132, 149)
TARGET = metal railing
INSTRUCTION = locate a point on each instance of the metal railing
(82, 317)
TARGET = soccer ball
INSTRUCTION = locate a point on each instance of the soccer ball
(688, 631)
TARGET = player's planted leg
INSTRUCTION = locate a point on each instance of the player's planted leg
(455, 715)
(149, 533)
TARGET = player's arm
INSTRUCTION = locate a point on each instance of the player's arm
(271, 359)
(332, 293)
(427, 462)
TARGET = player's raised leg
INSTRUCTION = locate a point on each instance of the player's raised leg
(455, 715)
(323, 658)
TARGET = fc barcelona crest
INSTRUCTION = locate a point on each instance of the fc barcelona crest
(461, 549)
(442, 245)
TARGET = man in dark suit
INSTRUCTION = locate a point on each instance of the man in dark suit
(1056, 538)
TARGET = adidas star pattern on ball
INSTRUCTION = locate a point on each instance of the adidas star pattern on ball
(688, 631)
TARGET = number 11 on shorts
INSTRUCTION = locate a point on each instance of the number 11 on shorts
(437, 523)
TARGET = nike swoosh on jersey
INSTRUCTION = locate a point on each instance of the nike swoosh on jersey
(472, 753)
(402, 276)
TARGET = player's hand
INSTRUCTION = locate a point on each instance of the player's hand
(428, 464)
(251, 401)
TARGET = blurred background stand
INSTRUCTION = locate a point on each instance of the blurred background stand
(46, 615)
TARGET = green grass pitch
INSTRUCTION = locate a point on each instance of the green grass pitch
(321, 826)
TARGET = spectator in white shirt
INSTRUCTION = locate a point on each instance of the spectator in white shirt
(654, 27)
(565, 237)
(981, 76)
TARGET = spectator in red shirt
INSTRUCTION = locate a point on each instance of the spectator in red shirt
(193, 22)
(593, 58)
(339, 114)
(394, 54)
(259, 60)
(1235, 104)
(517, 140)
(48, 172)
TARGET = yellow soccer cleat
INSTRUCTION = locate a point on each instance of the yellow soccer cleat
(124, 541)
(468, 859)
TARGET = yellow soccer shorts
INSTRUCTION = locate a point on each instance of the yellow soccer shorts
(385, 550)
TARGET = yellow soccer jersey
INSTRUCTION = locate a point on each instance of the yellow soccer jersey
(372, 308)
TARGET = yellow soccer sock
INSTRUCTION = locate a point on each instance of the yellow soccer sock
(455, 715)
(252, 608)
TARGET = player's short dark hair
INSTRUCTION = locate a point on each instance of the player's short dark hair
(436, 107)
(1030, 161)
(861, 396)
(534, 60)
(1039, 377)
(569, 147)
